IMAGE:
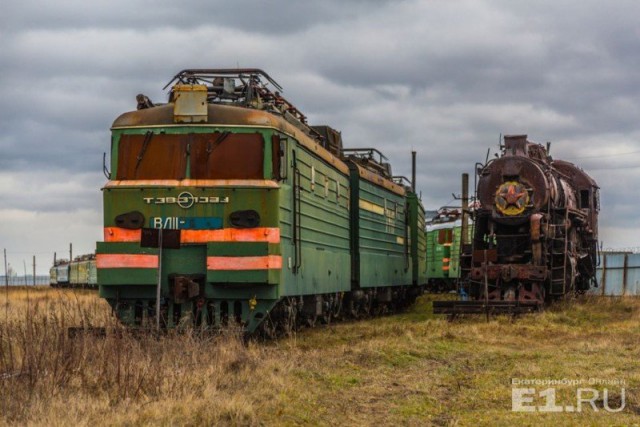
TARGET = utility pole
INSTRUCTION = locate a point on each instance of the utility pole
(34, 270)
(6, 284)
(6, 275)
(413, 171)
(464, 231)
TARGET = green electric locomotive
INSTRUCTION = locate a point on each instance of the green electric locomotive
(223, 205)
(443, 233)
(79, 273)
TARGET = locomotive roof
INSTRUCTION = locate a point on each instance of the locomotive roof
(226, 115)
(444, 225)
(239, 97)
(575, 174)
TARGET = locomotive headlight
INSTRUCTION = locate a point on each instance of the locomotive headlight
(512, 198)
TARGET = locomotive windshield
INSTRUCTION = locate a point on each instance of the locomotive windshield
(220, 155)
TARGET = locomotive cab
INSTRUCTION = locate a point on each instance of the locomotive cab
(193, 205)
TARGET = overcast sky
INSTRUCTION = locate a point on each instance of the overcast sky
(445, 78)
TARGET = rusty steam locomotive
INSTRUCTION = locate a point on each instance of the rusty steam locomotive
(535, 232)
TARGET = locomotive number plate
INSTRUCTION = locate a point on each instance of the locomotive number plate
(185, 223)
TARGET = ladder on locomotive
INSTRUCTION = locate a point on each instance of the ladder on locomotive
(558, 285)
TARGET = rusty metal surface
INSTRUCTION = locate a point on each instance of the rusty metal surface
(517, 169)
(535, 229)
(234, 97)
(228, 116)
(582, 182)
(487, 255)
(379, 180)
(190, 103)
(184, 289)
(151, 156)
(210, 156)
(578, 177)
(508, 272)
(227, 156)
(536, 245)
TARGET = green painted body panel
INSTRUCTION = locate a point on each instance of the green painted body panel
(226, 289)
(322, 246)
(82, 273)
(188, 260)
(125, 276)
(53, 277)
(243, 249)
(122, 200)
(417, 239)
(132, 291)
(193, 257)
(244, 276)
(436, 252)
(93, 273)
(379, 235)
(323, 226)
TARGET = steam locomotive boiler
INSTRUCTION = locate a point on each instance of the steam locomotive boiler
(535, 233)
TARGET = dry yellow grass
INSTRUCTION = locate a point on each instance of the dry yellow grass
(410, 369)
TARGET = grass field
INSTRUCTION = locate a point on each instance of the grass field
(409, 369)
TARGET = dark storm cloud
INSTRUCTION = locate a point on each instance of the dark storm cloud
(270, 16)
(443, 78)
(569, 62)
(50, 191)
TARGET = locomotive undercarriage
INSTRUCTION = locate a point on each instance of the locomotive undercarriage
(281, 316)
(295, 313)
(530, 264)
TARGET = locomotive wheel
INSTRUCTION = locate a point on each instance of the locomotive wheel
(292, 319)
(290, 323)
(326, 318)
(336, 313)
(336, 309)
(381, 309)
(311, 320)
(268, 328)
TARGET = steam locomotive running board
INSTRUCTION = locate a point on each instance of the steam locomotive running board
(478, 307)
